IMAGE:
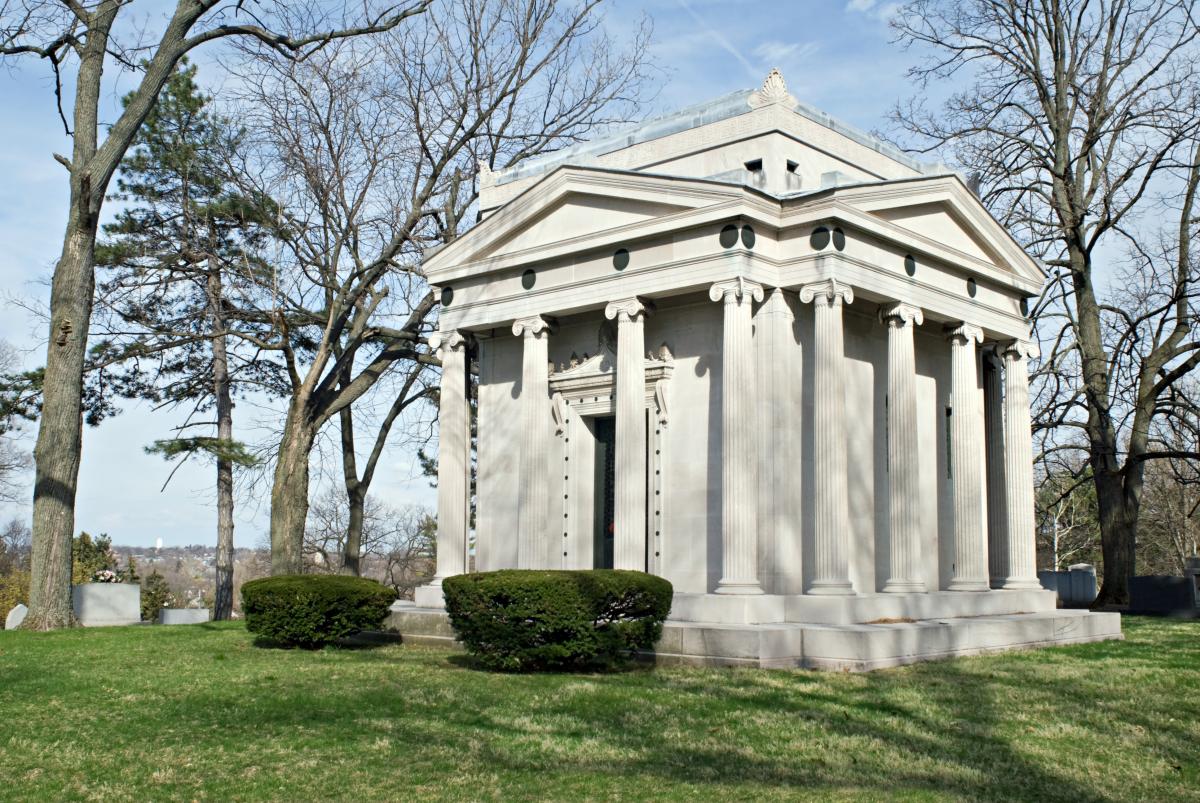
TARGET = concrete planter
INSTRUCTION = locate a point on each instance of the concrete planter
(105, 604)
(184, 616)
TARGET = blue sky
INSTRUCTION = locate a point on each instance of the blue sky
(835, 55)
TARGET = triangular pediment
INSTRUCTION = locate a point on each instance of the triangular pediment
(569, 209)
(577, 215)
(940, 211)
(937, 221)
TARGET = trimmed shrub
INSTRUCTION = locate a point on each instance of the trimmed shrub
(311, 610)
(519, 620)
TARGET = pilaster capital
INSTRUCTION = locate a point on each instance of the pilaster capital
(452, 340)
(1018, 350)
(964, 332)
(829, 291)
(738, 288)
(628, 309)
(533, 326)
(903, 314)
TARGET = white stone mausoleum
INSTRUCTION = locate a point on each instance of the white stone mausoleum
(767, 357)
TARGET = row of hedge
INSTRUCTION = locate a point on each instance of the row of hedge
(512, 620)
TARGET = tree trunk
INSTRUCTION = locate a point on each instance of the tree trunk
(223, 603)
(356, 492)
(289, 491)
(352, 558)
(60, 428)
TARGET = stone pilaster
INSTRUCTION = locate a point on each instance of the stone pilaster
(970, 571)
(780, 547)
(739, 460)
(454, 456)
(831, 525)
(903, 464)
(993, 430)
(535, 544)
(1018, 467)
(629, 514)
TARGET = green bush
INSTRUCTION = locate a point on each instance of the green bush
(519, 620)
(156, 595)
(306, 610)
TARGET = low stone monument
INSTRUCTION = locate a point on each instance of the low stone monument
(1076, 587)
(15, 617)
(184, 616)
(107, 604)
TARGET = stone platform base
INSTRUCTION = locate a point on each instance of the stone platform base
(840, 647)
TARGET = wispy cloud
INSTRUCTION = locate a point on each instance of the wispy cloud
(774, 53)
(873, 8)
(721, 40)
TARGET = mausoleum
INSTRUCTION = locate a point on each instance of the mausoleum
(766, 356)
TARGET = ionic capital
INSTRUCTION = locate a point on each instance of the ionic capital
(903, 314)
(1018, 350)
(965, 332)
(736, 289)
(533, 326)
(452, 341)
(628, 309)
(829, 291)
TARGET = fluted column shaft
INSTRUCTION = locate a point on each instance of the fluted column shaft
(629, 515)
(454, 457)
(903, 465)
(739, 497)
(534, 540)
(993, 427)
(1018, 467)
(966, 451)
(831, 525)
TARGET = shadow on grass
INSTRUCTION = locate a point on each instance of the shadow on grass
(630, 666)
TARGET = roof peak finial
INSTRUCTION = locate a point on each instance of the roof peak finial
(773, 90)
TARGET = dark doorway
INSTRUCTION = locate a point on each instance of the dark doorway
(605, 429)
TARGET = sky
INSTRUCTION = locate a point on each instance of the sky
(835, 55)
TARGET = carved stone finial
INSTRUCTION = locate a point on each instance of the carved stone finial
(773, 90)
(487, 177)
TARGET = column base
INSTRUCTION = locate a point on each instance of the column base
(430, 596)
(739, 587)
(831, 588)
(968, 585)
(904, 587)
(1020, 583)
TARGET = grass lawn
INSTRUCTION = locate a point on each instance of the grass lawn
(199, 712)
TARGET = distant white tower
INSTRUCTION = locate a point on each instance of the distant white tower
(158, 544)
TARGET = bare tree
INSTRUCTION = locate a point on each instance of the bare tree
(86, 38)
(1079, 116)
(371, 148)
(14, 461)
(396, 543)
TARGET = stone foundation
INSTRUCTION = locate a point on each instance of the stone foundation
(883, 636)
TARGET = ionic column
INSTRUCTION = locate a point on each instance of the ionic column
(454, 456)
(739, 498)
(629, 514)
(993, 430)
(903, 465)
(831, 549)
(966, 458)
(533, 503)
(1018, 467)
